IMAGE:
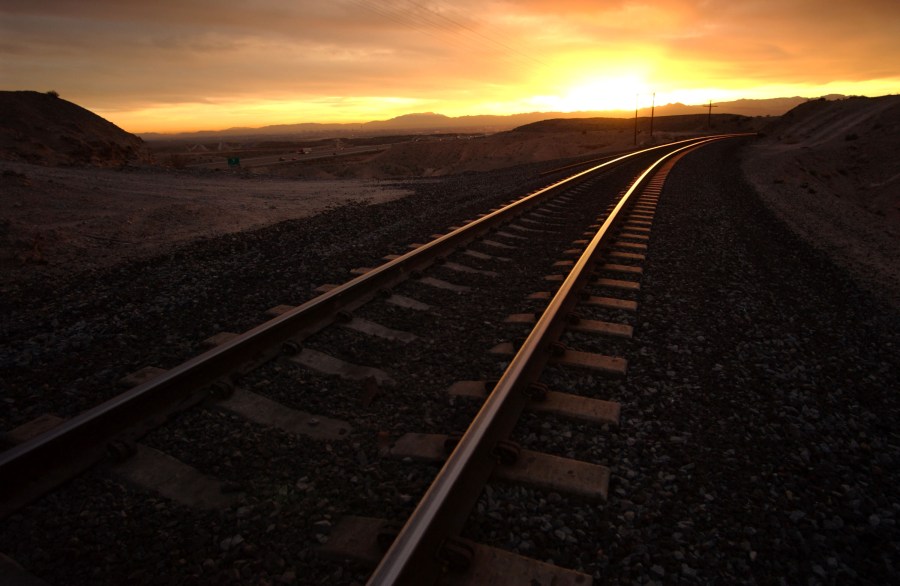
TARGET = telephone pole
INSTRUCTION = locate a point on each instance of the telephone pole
(709, 115)
(635, 117)
(652, 108)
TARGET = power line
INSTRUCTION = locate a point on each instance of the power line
(425, 19)
(411, 19)
(461, 25)
(379, 10)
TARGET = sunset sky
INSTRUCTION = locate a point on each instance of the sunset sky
(179, 65)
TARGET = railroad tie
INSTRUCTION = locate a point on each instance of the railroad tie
(587, 360)
(149, 469)
(566, 405)
(531, 468)
(361, 539)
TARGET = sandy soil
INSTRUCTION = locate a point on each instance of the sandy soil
(832, 174)
(497, 151)
(57, 220)
(439, 158)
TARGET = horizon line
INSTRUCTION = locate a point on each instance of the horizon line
(623, 114)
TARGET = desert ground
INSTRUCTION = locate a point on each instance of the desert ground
(830, 172)
(828, 169)
(59, 221)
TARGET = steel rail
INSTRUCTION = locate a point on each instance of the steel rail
(413, 557)
(34, 467)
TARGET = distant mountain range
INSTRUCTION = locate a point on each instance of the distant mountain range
(431, 122)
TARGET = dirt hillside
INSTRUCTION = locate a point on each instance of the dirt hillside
(541, 141)
(44, 129)
(830, 169)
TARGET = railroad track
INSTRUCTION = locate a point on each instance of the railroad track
(516, 243)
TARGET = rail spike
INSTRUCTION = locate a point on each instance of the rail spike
(455, 555)
(536, 391)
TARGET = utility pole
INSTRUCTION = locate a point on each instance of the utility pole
(652, 108)
(635, 117)
(709, 115)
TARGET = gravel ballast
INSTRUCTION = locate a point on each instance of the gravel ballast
(67, 341)
(775, 401)
(291, 490)
(758, 442)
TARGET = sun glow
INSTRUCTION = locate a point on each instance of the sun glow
(164, 67)
(607, 93)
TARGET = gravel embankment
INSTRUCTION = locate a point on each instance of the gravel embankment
(62, 341)
(293, 489)
(758, 442)
(775, 399)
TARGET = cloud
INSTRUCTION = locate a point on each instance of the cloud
(119, 55)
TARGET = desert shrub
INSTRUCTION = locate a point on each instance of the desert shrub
(177, 161)
(851, 136)
(53, 94)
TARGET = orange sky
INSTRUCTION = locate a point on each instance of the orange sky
(179, 65)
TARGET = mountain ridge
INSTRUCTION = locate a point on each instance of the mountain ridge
(434, 122)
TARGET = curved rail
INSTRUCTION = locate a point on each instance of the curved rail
(442, 512)
(43, 462)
